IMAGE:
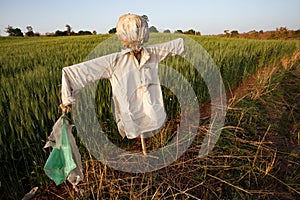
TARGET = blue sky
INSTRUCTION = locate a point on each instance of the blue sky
(206, 16)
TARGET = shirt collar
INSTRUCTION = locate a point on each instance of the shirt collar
(145, 55)
(125, 51)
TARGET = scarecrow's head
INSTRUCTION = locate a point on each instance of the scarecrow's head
(133, 31)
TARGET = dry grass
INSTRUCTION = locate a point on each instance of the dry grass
(256, 157)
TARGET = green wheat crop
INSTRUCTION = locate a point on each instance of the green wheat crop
(30, 78)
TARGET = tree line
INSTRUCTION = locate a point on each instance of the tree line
(153, 29)
(30, 33)
(279, 33)
(68, 32)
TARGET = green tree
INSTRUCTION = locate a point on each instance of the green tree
(178, 31)
(29, 32)
(81, 32)
(190, 32)
(60, 33)
(234, 33)
(153, 29)
(14, 31)
(112, 30)
(69, 29)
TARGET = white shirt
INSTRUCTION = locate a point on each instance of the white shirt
(136, 87)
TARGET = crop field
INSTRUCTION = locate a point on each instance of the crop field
(256, 157)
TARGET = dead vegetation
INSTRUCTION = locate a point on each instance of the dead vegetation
(256, 157)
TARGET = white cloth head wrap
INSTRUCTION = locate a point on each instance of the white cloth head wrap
(133, 31)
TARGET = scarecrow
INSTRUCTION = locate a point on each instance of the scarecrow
(133, 74)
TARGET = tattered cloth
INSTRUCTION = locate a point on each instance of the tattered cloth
(64, 161)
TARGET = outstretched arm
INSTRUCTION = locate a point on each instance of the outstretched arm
(76, 77)
(171, 48)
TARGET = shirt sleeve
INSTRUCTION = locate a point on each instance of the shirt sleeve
(77, 76)
(171, 48)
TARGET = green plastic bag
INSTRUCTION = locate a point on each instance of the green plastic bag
(60, 162)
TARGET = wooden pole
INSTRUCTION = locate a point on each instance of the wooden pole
(143, 144)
